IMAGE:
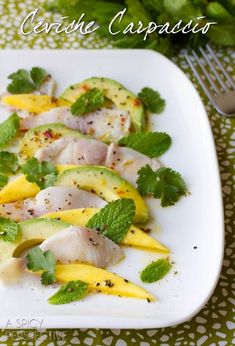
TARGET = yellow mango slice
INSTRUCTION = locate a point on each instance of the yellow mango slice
(135, 236)
(21, 188)
(34, 103)
(101, 280)
(18, 189)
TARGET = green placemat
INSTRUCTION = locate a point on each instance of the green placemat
(214, 324)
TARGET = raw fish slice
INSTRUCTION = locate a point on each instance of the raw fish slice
(59, 198)
(50, 200)
(84, 245)
(127, 162)
(104, 124)
(47, 87)
(6, 111)
(74, 151)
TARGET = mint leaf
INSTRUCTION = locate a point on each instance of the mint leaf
(3, 180)
(152, 100)
(217, 11)
(70, 292)
(8, 229)
(38, 76)
(38, 260)
(165, 184)
(23, 81)
(155, 271)
(114, 220)
(88, 102)
(8, 129)
(42, 173)
(152, 144)
(8, 162)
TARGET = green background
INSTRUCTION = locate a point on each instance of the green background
(214, 324)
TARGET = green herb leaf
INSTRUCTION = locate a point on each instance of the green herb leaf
(152, 144)
(217, 11)
(114, 220)
(159, 11)
(38, 260)
(165, 184)
(3, 179)
(42, 173)
(8, 162)
(9, 129)
(70, 292)
(23, 81)
(38, 76)
(155, 271)
(152, 100)
(8, 229)
(88, 102)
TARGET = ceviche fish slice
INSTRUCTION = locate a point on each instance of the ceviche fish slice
(84, 151)
(77, 151)
(104, 124)
(84, 245)
(127, 162)
(52, 199)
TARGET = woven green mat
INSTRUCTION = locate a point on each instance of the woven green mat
(214, 324)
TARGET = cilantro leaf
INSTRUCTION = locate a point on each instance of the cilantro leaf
(38, 76)
(114, 220)
(8, 229)
(23, 81)
(88, 102)
(165, 184)
(155, 271)
(152, 144)
(8, 162)
(3, 179)
(70, 292)
(38, 260)
(20, 82)
(152, 100)
(42, 173)
(8, 129)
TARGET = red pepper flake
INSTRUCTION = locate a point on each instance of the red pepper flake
(48, 134)
(137, 102)
(85, 87)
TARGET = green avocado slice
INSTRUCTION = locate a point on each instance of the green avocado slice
(105, 183)
(32, 232)
(114, 91)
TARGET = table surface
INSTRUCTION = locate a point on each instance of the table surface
(214, 324)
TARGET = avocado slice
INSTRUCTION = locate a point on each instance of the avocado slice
(107, 184)
(32, 232)
(114, 91)
(42, 136)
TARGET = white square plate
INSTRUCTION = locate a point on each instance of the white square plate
(195, 221)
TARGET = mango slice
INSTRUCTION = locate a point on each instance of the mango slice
(101, 280)
(135, 236)
(21, 188)
(34, 103)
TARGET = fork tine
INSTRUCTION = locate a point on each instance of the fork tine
(214, 87)
(200, 80)
(222, 84)
(229, 79)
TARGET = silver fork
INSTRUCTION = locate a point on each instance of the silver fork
(214, 79)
